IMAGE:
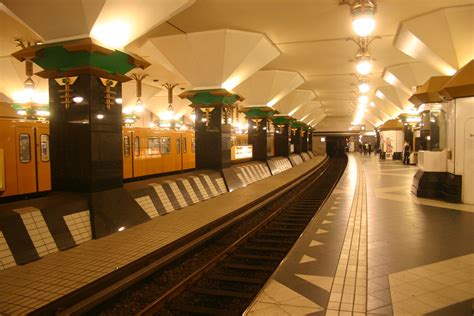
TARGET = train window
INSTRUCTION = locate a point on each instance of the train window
(44, 146)
(136, 146)
(178, 146)
(185, 145)
(25, 148)
(153, 146)
(126, 146)
(193, 145)
(165, 145)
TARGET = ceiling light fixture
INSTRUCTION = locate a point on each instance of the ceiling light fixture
(139, 106)
(363, 15)
(364, 86)
(168, 115)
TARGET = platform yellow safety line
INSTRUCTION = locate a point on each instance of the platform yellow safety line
(349, 288)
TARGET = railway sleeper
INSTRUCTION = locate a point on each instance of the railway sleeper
(201, 310)
(284, 224)
(257, 257)
(278, 234)
(274, 241)
(263, 248)
(248, 267)
(232, 278)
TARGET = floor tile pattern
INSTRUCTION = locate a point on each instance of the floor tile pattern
(431, 287)
(6, 256)
(147, 205)
(38, 230)
(79, 225)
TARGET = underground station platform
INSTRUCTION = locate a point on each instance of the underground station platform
(371, 247)
(232, 157)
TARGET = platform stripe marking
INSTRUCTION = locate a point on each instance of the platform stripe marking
(163, 197)
(147, 205)
(200, 187)
(221, 183)
(79, 224)
(190, 190)
(255, 172)
(218, 186)
(6, 256)
(209, 183)
(38, 230)
(177, 193)
(205, 185)
(248, 174)
(184, 192)
(197, 190)
(258, 170)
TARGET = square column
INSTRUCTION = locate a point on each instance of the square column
(86, 138)
(212, 128)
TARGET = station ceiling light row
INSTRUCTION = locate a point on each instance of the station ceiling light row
(363, 24)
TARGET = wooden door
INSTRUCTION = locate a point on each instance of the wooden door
(43, 165)
(25, 154)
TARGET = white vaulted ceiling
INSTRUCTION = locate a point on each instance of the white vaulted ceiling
(307, 36)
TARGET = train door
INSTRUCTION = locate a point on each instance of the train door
(179, 152)
(137, 153)
(127, 153)
(43, 165)
(26, 168)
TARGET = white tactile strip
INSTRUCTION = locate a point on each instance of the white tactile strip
(177, 193)
(6, 256)
(147, 205)
(38, 230)
(79, 225)
(349, 289)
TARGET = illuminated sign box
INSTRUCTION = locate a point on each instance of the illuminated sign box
(241, 152)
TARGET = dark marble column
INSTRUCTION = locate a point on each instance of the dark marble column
(85, 134)
(296, 140)
(213, 139)
(304, 140)
(212, 126)
(258, 138)
(282, 140)
(86, 141)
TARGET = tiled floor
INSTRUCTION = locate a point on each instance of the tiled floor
(30, 286)
(375, 249)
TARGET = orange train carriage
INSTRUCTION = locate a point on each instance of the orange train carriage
(25, 161)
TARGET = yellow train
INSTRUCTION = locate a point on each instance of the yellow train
(24, 153)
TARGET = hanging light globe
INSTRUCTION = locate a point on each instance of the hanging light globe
(364, 66)
(363, 17)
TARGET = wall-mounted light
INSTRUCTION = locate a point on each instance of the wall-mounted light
(77, 99)
(100, 116)
(118, 100)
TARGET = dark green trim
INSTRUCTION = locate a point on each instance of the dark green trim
(59, 59)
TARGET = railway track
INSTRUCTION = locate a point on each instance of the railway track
(227, 284)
